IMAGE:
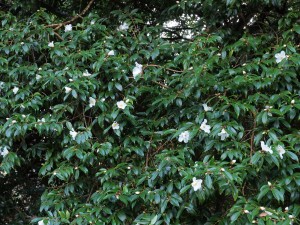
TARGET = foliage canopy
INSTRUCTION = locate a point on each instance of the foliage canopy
(126, 118)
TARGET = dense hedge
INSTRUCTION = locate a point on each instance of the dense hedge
(106, 122)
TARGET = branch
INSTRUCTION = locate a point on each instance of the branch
(162, 85)
(56, 26)
(58, 36)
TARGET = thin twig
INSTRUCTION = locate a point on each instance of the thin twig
(90, 194)
(56, 26)
(59, 37)
(162, 85)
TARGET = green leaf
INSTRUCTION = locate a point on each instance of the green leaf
(255, 158)
(122, 216)
(119, 86)
(235, 216)
(154, 219)
(272, 135)
(157, 198)
(263, 191)
(154, 54)
(184, 189)
(236, 109)
(264, 117)
(74, 93)
(208, 181)
(279, 195)
(292, 155)
(297, 28)
(69, 125)
(163, 206)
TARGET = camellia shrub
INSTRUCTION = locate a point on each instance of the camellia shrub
(117, 118)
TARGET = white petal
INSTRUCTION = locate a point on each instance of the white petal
(73, 134)
(196, 184)
(265, 148)
(115, 126)
(124, 26)
(68, 27)
(67, 90)
(111, 52)
(41, 222)
(51, 44)
(86, 73)
(121, 105)
(92, 102)
(206, 108)
(15, 90)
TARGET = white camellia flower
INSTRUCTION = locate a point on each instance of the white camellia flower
(223, 134)
(206, 108)
(92, 22)
(197, 183)
(15, 90)
(111, 52)
(86, 73)
(121, 104)
(68, 27)
(4, 151)
(137, 70)
(92, 102)
(265, 147)
(280, 150)
(51, 44)
(73, 133)
(115, 126)
(67, 90)
(123, 26)
(280, 56)
(205, 127)
(293, 102)
(41, 222)
(184, 137)
(38, 77)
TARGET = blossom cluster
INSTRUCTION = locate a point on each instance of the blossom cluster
(265, 148)
(185, 136)
(115, 125)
